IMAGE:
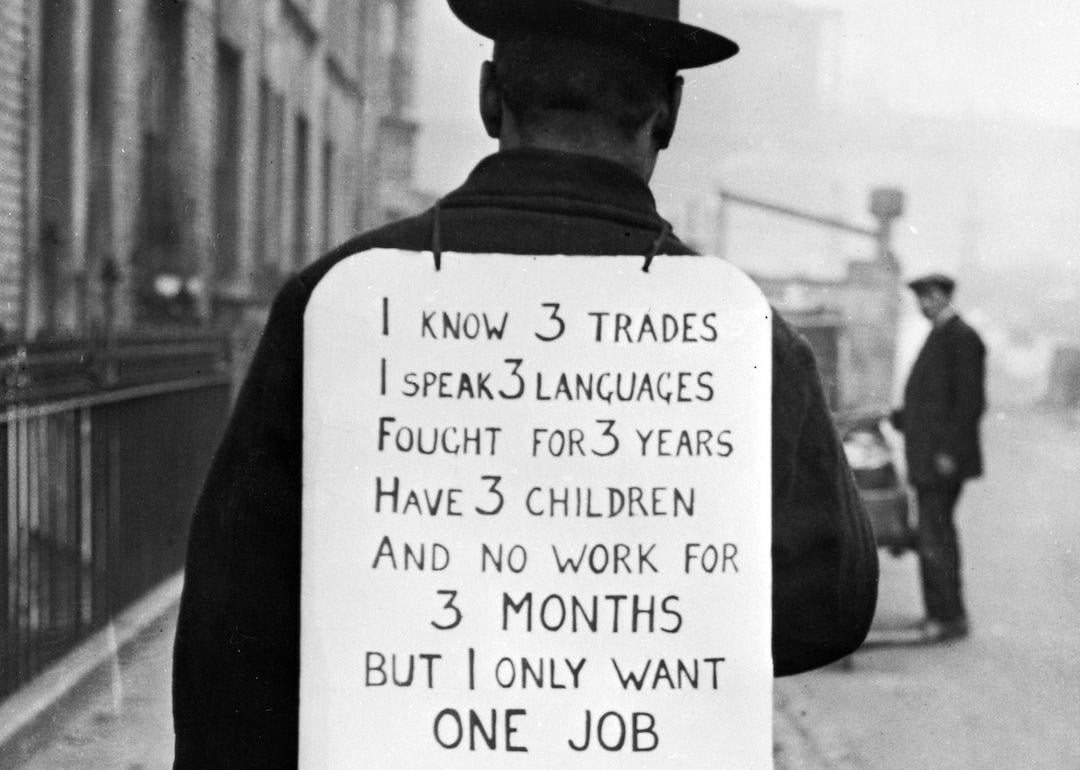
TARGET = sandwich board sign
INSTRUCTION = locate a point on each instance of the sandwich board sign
(536, 514)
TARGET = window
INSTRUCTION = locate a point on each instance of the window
(160, 248)
(269, 182)
(227, 163)
(300, 193)
(328, 202)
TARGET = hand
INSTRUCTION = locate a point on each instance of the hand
(945, 464)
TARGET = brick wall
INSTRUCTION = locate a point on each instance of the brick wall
(12, 168)
(139, 93)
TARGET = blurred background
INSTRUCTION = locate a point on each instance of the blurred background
(166, 164)
(971, 108)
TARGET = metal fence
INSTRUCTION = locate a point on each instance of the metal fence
(102, 452)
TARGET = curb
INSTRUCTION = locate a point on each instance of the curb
(31, 704)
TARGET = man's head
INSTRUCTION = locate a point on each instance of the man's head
(588, 76)
(934, 294)
(579, 96)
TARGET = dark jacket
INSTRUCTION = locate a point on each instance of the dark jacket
(236, 673)
(943, 402)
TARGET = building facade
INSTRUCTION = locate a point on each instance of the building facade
(169, 162)
(13, 61)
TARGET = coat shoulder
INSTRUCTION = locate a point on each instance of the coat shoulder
(965, 337)
(413, 233)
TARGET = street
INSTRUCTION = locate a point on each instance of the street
(1008, 696)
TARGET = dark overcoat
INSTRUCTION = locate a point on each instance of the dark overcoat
(236, 672)
(943, 402)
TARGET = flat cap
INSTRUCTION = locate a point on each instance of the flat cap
(923, 282)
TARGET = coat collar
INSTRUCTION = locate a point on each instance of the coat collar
(533, 173)
(947, 314)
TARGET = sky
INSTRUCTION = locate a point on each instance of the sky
(994, 56)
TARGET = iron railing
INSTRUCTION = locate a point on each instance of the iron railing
(102, 452)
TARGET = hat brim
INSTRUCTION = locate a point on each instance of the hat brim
(922, 284)
(682, 45)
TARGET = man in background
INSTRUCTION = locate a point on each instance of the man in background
(943, 402)
(582, 96)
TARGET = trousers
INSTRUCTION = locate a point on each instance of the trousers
(939, 551)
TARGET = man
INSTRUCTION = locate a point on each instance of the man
(943, 402)
(582, 95)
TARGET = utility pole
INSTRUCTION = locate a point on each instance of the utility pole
(886, 205)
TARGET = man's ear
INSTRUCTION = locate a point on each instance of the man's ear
(667, 115)
(490, 100)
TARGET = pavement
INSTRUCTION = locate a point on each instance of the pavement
(119, 716)
(107, 705)
(1007, 695)
(821, 709)
(1004, 697)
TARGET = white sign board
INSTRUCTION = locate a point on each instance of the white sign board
(536, 514)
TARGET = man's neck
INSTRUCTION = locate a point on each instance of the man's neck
(946, 314)
(584, 139)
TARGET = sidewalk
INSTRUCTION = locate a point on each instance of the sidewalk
(119, 717)
(794, 747)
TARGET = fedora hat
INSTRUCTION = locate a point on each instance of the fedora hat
(650, 27)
